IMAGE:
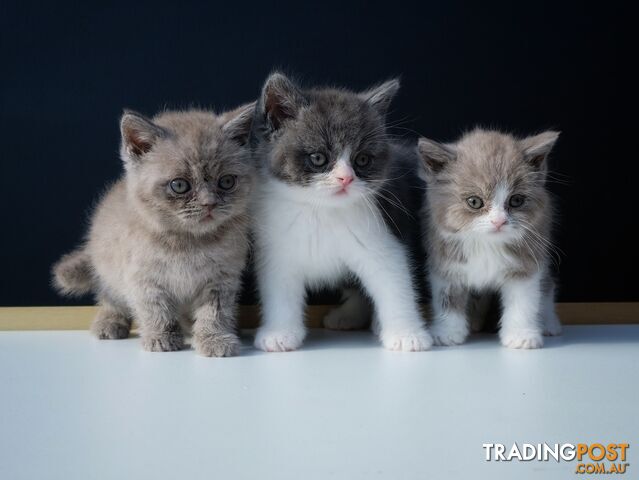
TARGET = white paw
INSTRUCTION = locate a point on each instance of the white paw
(282, 340)
(407, 341)
(449, 333)
(338, 319)
(521, 339)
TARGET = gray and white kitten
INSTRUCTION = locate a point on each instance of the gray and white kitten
(326, 158)
(488, 220)
(168, 241)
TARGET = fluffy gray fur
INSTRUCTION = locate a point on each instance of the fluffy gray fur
(170, 259)
(501, 246)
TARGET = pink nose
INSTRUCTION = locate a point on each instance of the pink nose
(498, 222)
(345, 180)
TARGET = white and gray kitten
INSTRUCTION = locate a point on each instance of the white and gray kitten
(326, 158)
(488, 220)
(168, 241)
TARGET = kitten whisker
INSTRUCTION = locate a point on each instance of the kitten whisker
(397, 204)
(548, 247)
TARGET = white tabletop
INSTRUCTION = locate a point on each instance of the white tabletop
(72, 407)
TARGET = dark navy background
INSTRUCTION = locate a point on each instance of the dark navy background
(68, 68)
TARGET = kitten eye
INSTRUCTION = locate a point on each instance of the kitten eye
(226, 182)
(475, 202)
(317, 159)
(362, 160)
(516, 201)
(180, 185)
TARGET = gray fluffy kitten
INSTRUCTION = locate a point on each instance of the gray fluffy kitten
(488, 219)
(168, 241)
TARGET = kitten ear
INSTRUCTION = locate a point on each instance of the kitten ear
(281, 100)
(381, 96)
(139, 134)
(537, 148)
(435, 156)
(238, 126)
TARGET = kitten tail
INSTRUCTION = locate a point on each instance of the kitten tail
(72, 274)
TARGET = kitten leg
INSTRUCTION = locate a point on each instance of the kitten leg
(450, 325)
(112, 321)
(158, 320)
(383, 270)
(550, 319)
(283, 297)
(520, 323)
(214, 330)
(552, 324)
(353, 314)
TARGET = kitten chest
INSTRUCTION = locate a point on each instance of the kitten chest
(485, 266)
(317, 242)
(184, 273)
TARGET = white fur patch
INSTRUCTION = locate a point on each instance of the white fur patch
(486, 262)
(343, 164)
(520, 321)
(497, 212)
(304, 240)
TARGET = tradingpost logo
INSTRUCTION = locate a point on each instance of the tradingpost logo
(590, 458)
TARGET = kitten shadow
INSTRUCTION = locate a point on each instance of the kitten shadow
(573, 335)
(319, 339)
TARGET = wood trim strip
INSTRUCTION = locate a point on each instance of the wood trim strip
(79, 318)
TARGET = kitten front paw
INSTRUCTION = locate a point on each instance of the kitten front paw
(110, 326)
(222, 345)
(407, 341)
(165, 342)
(447, 334)
(525, 339)
(279, 340)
